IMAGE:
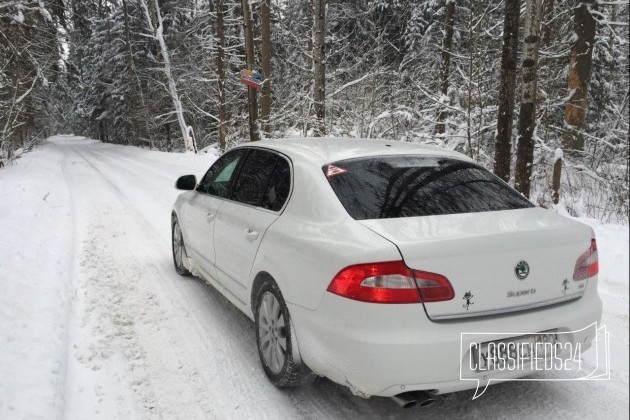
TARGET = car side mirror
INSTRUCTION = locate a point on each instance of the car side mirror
(186, 182)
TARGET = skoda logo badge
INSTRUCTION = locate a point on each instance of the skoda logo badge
(521, 270)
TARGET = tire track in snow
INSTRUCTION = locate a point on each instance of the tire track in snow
(91, 367)
(228, 367)
(118, 304)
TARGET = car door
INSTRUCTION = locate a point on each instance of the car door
(204, 206)
(257, 198)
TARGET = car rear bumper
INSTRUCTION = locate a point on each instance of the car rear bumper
(383, 350)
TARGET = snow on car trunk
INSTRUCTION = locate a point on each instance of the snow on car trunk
(497, 262)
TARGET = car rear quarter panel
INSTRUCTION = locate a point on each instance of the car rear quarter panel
(314, 239)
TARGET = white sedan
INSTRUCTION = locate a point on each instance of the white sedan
(364, 261)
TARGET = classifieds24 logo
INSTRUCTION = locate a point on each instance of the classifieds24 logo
(511, 356)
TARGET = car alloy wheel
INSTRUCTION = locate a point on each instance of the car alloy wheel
(179, 251)
(272, 332)
(275, 338)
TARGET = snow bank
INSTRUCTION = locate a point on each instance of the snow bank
(38, 247)
(35, 265)
(613, 251)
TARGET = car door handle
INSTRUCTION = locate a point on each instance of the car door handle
(210, 217)
(251, 234)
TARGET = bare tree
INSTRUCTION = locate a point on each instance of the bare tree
(548, 16)
(222, 128)
(447, 42)
(579, 75)
(503, 144)
(29, 57)
(527, 116)
(137, 90)
(265, 29)
(248, 30)
(319, 65)
(157, 31)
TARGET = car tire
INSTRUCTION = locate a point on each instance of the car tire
(275, 338)
(179, 250)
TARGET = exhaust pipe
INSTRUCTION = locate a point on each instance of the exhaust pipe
(412, 398)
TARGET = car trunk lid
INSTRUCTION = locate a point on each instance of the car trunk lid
(497, 262)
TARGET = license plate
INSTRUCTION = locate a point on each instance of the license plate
(514, 353)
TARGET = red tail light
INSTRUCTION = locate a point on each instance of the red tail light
(390, 282)
(587, 265)
(433, 287)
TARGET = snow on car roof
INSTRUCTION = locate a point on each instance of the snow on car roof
(331, 149)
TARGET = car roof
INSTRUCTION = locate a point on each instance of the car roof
(332, 149)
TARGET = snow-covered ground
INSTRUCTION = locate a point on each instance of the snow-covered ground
(95, 323)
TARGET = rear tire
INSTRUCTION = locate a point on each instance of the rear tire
(275, 339)
(179, 250)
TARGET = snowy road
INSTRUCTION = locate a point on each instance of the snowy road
(95, 323)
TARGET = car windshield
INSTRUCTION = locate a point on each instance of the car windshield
(385, 187)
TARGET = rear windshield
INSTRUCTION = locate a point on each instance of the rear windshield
(385, 187)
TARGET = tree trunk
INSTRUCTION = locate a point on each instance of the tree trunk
(222, 129)
(254, 135)
(319, 65)
(136, 89)
(503, 144)
(579, 75)
(527, 117)
(265, 28)
(169, 142)
(158, 33)
(469, 82)
(447, 42)
(555, 178)
(548, 15)
(7, 130)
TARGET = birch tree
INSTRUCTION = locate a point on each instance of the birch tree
(157, 32)
(529, 80)
(265, 50)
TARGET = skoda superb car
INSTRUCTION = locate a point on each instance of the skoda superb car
(364, 261)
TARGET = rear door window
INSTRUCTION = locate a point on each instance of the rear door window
(385, 187)
(264, 180)
(279, 186)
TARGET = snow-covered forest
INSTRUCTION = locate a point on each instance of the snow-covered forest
(515, 84)
(105, 103)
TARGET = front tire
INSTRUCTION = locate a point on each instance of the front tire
(179, 250)
(275, 339)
